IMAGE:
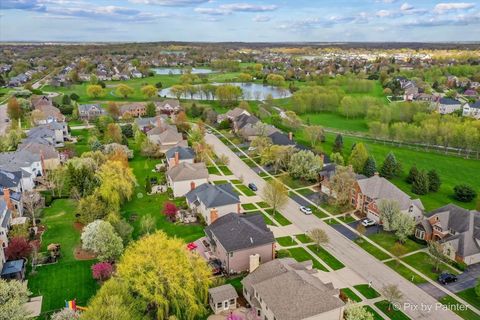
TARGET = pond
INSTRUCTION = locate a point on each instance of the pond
(251, 91)
(181, 71)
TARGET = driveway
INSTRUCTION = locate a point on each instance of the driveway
(341, 247)
(3, 117)
(467, 279)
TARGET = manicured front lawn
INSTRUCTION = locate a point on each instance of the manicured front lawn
(345, 219)
(370, 248)
(458, 308)
(470, 296)
(245, 190)
(249, 163)
(366, 291)
(303, 238)
(319, 213)
(305, 192)
(294, 183)
(301, 255)
(405, 272)
(351, 295)
(326, 257)
(226, 171)
(286, 241)
(334, 209)
(387, 240)
(213, 170)
(376, 315)
(278, 216)
(263, 205)
(220, 181)
(423, 263)
(248, 206)
(392, 313)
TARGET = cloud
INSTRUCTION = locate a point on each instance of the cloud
(406, 7)
(171, 3)
(212, 11)
(458, 20)
(444, 7)
(107, 13)
(226, 9)
(31, 5)
(261, 18)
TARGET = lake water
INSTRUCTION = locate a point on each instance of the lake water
(251, 91)
(181, 71)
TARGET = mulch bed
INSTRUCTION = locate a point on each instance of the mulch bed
(81, 254)
(78, 226)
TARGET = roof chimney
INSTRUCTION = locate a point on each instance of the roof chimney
(159, 122)
(192, 185)
(213, 215)
(290, 136)
(6, 196)
(177, 158)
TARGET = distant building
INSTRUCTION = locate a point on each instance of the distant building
(448, 105)
(90, 111)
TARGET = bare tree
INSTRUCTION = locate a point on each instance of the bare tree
(32, 202)
(392, 294)
(435, 249)
(318, 236)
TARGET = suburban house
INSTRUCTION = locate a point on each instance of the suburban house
(48, 154)
(472, 110)
(24, 160)
(458, 229)
(222, 298)
(366, 194)
(90, 111)
(241, 242)
(166, 137)
(178, 155)
(54, 133)
(40, 101)
(11, 188)
(231, 115)
(48, 114)
(146, 124)
(244, 120)
(326, 174)
(134, 109)
(447, 105)
(284, 289)
(168, 106)
(184, 177)
(213, 201)
(5, 222)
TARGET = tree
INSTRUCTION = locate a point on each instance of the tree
(32, 202)
(14, 110)
(338, 145)
(337, 158)
(370, 167)
(151, 111)
(292, 120)
(433, 181)
(275, 194)
(390, 167)
(113, 109)
(124, 90)
(464, 193)
(341, 185)
(392, 294)
(355, 311)
(113, 133)
(437, 255)
(95, 91)
(388, 210)
(275, 79)
(314, 134)
(147, 223)
(65, 314)
(358, 157)
(403, 224)
(420, 184)
(318, 236)
(170, 210)
(90, 208)
(398, 250)
(13, 296)
(102, 271)
(412, 175)
(149, 91)
(100, 237)
(124, 230)
(305, 165)
(18, 248)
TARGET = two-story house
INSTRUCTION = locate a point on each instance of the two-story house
(448, 105)
(177, 155)
(166, 137)
(169, 106)
(90, 111)
(472, 110)
(134, 109)
(185, 177)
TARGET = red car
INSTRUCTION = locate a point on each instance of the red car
(191, 246)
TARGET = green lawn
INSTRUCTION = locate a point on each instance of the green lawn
(460, 309)
(370, 248)
(249, 163)
(245, 190)
(305, 192)
(387, 240)
(301, 255)
(248, 206)
(286, 241)
(326, 257)
(235, 181)
(220, 181)
(334, 209)
(226, 171)
(69, 278)
(366, 291)
(335, 121)
(470, 296)
(267, 219)
(278, 216)
(294, 183)
(263, 205)
(303, 238)
(392, 314)
(376, 315)
(82, 141)
(405, 272)
(213, 170)
(423, 263)
(320, 214)
(345, 219)
(351, 295)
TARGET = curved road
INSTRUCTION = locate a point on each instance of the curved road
(345, 250)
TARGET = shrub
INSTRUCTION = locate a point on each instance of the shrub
(102, 271)
(464, 193)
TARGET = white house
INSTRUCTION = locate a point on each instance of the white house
(186, 176)
(447, 105)
(472, 110)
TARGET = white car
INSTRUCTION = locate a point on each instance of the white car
(368, 222)
(306, 210)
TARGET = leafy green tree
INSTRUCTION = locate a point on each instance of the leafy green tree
(434, 181)
(389, 210)
(95, 91)
(149, 91)
(437, 254)
(275, 194)
(151, 111)
(318, 236)
(390, 166)
(100, 237)
(464, 193)
(315, 134)
(305, 165)
(420, 184)
(124, 90)
(370, 167)
(355, 311)
(412, 174)
(358, 157)
(404, 225)
(337, 158)
(338, 145)
(13, 296)
(124, 230)
(342, 184)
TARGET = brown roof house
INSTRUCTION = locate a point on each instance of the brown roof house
(368, 192)
(185, 177)
(168, 106)
(213, 201)
(232, 114)
(284, 289)
(458, 229)
(222, 298)
(241, 242)
(136, 109)
(166, 137)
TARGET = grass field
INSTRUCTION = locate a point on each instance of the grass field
(326, 257)
(391, 312)
(301, 255)
(458, 308)
(387, 240)
(351, 295)
(366, 291)
(82, 136)
(423, 263)
(335, 121)
(286, 241)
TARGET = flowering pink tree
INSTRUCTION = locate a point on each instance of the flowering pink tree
(170, 210)
(102, 271)
(233, 316)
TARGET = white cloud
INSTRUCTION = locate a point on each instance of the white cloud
(384, 13)
(247, 7)
(406, 7)
(443, 7)
(212, 11)
(171, 3)
(261, 18)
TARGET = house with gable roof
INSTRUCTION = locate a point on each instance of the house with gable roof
(185, 177)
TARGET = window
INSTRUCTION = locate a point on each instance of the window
(420, 234)
(259, 312)
(232, 301)
(231, 254)
(219, 305)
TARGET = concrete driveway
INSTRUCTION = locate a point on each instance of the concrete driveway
(359, 261)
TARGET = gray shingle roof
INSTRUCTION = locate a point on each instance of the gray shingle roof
(449, 101)
(10, 179)
(223, 293)
(213, 196)
(183, 153)
(188, 171)
(238, 232)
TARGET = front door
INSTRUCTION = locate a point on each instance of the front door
(225, 305)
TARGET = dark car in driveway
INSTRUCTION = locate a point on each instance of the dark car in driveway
(446, 278)
(216, 266)
(252, 186)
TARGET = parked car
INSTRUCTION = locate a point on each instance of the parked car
(306, 210)
(191, 246)
(446, 278)
(216, 266)
(368, 222)
(252, 186)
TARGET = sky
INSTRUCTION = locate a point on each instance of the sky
(246, 21)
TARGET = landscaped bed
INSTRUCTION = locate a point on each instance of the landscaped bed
(326, 257)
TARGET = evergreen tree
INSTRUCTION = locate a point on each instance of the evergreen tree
(358, 157)
(412, 174)
(390, 166)
(420, 184)
(433, 181)
(338, 146)
(148, 185)
(370, 167)
(150, 110)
